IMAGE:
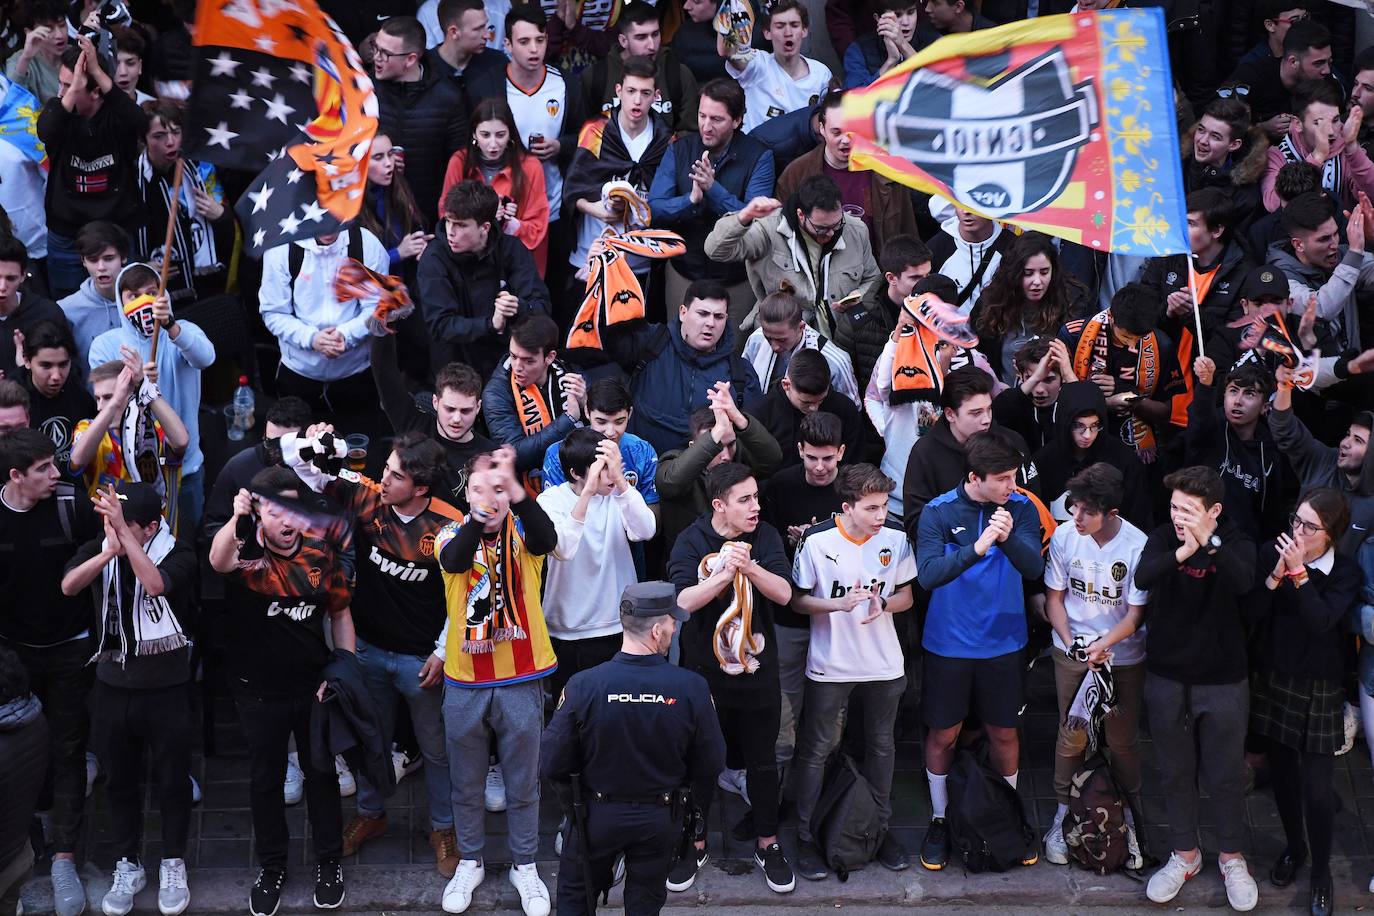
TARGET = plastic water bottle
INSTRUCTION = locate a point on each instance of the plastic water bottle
(244, 407)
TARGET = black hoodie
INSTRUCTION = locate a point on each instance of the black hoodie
(938, 464)
(1252, 470)
(1059, 459)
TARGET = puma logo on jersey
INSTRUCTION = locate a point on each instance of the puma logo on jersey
(296, 612)
(406, 573)
(640, 698)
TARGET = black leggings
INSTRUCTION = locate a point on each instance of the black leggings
(1302, 789)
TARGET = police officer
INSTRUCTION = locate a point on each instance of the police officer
(631, 733)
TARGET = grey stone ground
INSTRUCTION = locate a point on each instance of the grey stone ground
(395, 873)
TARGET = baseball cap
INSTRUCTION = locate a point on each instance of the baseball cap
(140, 502)
(652, 599)
(1264, 280)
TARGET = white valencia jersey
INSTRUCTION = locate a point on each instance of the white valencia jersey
(769, 91)
(829, 563)
(542, 112)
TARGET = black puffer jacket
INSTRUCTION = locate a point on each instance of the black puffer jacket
(429, 117)
(459, 294)
(863, 332)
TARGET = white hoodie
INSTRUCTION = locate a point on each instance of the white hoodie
(962, 265)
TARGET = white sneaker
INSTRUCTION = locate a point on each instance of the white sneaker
(1168, 881)
(534, 896)
(458, 891)
(494, 798)
(1241, 891)
(403, 765)
(92, 771)
(68, 896)
(1056, 849)
(129, 879)
(735, 781)
(1350, 722)
(347, 784)
(173, 896)
(294, 787)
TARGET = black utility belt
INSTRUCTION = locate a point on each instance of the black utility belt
(660, 799)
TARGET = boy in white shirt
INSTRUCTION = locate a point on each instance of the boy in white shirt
(783, 81)
(1094, 607)
(597, 514)
(851, 573)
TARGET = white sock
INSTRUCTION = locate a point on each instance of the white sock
(1061, 811)
(1011, 780)
(939, 797)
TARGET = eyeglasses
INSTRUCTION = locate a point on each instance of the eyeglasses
(1225, 92)
(1297, 524)
(1091, 429)
(818, 229)
(381, 55)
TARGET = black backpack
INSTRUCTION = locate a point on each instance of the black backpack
(988, 829)
(845, 822)
(1095, 827)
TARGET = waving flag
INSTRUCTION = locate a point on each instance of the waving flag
(19, 121)
(1061, 123)
(277, 85)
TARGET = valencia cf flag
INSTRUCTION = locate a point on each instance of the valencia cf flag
(278, 87)
(1063, 124)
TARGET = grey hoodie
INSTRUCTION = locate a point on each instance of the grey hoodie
(1335, 290)
(90, 315)
(1315, 464)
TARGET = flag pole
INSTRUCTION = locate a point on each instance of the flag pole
(1197, 307)
(167, 241)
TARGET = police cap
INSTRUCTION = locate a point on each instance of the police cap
(651, 599)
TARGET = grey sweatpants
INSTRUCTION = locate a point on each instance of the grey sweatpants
(1219, 715)
(515, 715)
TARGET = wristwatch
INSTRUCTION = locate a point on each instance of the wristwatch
(1214, 542)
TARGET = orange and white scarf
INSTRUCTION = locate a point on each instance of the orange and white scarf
(614, 295)
(1090, 357)
(916, 373)
(736, 646)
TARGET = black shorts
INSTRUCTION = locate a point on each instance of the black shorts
(995, 687)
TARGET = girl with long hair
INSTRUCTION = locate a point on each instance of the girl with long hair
(389, 210)
(1029, 296)
(495, 156)
(1298, 683)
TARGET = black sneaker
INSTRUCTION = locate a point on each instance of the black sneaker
(684, 870)
(329, 884)
(935, 849)
(776, 871)
(265, 896)
(891, 854)
(810, 862)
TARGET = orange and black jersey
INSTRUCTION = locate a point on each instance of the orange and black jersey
(399, 604)
(279, 605)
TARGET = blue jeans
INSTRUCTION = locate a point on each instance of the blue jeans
(391, 676)
(65, 273)
(190, 505)
(514, 713)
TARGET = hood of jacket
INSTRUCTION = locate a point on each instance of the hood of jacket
(19, 712)
(966, 249)
(1245, 166)
(1076, 399)
(1281, 255)
(692, 356)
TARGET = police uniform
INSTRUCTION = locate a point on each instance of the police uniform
(636, 729)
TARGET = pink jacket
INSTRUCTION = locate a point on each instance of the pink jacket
(1357, 170)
